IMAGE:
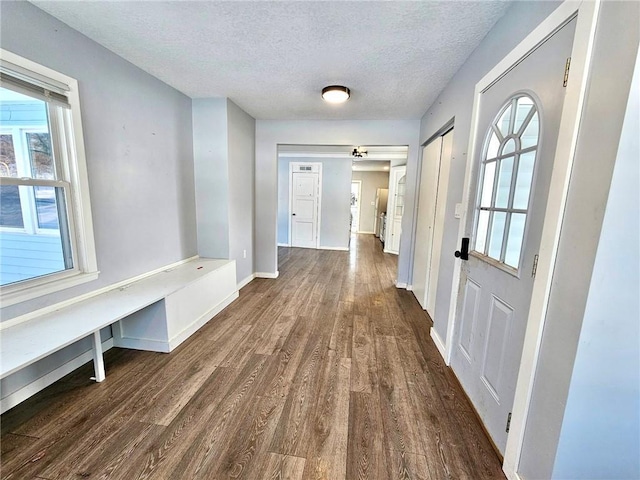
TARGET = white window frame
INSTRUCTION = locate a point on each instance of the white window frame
(72, 169)
(27, 200)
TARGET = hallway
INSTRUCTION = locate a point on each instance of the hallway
(327, 372)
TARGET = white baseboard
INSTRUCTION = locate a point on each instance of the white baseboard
(439, 343)
(366, 233)
(43, 382)
(341, 249)
(410, 288)
(267, 274)
(400, 284)
(390, 251)
(244, 282)
(283, 245)
(57, 306)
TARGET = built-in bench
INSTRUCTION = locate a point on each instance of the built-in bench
(157, 312)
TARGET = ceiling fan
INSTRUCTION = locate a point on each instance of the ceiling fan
(359, 152)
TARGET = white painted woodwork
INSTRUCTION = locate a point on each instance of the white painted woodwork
(382, 196)
(434, 183)
(201, 288)
(494, 301)
(395, 209)
(98, 361)
(356, 191)
(305, 202)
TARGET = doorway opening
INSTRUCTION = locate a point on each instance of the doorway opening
(352, 194)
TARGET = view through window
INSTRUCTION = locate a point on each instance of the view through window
(34, 236)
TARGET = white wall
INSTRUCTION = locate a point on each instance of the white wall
(270, 133)
(223, 148)
(210, 157)
(137, 133)
(241, 146)
(336, 195)
(456, 101)
(371, 181)
(600, 436)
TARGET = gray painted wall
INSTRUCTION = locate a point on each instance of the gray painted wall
(605, 385)
(223, 149)
(241, 145)
(210, 158)
(137, 133)
(270, 133)
(600, 129)
(456, 101)
(336, 195)
(371, 181)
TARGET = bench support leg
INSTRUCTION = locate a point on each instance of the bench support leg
(98, 361)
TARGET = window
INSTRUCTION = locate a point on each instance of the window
(505, 180)
(46, 235)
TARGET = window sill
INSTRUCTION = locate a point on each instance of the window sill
(29, 292)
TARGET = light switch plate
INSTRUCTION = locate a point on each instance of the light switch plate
(458, 212)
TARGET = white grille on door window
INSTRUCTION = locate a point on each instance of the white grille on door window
(504, 183)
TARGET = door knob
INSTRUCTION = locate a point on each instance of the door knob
(463, 253)
(293, 214)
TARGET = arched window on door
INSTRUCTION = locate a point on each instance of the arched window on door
(505, 180)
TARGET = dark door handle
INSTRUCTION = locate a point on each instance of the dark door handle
(293, 214)
(463, 253)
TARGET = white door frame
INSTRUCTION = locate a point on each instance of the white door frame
(292, 168)
(359, 182)
(587, 12)
(391, 206)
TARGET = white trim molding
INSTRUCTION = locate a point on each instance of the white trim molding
(437, 340)
(581, 55)
(68, 139)
(587, 16)
(267, 274)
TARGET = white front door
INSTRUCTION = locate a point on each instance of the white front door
(396, 210)
(434, 180)
(517, 132)
(304, 209)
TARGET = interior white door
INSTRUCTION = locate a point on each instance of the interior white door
(434, 179)
(394, 214)
(426, 218)
(304, 211)
(518, 121)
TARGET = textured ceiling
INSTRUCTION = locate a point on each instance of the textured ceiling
(273, 58)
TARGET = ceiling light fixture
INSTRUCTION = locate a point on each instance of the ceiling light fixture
(359, 152)
(335, 94)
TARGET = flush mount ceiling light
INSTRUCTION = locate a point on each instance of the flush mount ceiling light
(335, 94)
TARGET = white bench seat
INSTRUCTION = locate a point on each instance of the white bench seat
(188, 295)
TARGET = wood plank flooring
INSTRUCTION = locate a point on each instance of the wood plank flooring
(327, 372)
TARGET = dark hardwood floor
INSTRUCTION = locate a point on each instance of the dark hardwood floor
(327, 372)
